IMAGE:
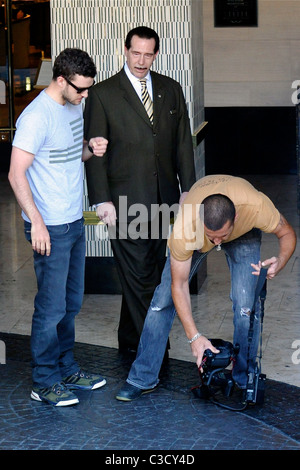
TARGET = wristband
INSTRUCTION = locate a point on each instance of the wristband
(91, 149)
(194, 338)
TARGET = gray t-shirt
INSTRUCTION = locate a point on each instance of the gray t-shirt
(53, 133)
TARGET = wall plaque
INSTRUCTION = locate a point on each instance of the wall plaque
(235, 13)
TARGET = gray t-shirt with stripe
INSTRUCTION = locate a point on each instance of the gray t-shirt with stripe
(53, 133)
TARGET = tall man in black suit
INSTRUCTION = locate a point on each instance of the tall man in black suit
(149, 160)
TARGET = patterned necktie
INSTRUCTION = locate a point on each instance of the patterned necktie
(147, 102)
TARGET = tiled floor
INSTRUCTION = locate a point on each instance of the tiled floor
(171, 418)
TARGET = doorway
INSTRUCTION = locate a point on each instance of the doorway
(24, 44)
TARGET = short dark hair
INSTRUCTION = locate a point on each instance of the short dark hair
(145, 33)
(218, 209)
(71, 62)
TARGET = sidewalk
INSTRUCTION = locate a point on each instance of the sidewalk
(170, 418)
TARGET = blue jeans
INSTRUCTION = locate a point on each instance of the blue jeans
(240, 253)
(60, 282)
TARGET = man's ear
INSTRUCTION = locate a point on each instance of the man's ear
(60, 81)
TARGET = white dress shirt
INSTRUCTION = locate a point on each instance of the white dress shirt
(136, 83)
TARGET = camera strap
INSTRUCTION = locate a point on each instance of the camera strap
(260, 286)
(260, 293)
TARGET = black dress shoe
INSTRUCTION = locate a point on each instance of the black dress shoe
(127, 350)
(130, 392)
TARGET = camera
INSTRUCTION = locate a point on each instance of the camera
(221, 359)
(216, 379)
(214, 375)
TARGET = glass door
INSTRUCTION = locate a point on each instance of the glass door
(24, 43)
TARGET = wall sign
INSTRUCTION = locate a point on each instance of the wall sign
(235, 13)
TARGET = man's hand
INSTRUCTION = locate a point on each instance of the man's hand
(107, 213)
(287, 243)
(40, 239)
(273, 267)
(99, 145)
(199, 346)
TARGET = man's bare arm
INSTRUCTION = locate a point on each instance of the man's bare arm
(181, 296)
(20, 162)
(287, 243)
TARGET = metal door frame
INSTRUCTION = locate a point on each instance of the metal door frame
(11, 110)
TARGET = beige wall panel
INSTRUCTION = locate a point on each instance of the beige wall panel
(238, 61)
(295, 58)
(227, 93)
(249, 93)
(265, 60)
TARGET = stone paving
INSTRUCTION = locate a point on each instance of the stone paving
(170, 419)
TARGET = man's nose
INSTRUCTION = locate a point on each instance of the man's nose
(141, 59)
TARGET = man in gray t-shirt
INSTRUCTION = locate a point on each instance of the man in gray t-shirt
(46, 175)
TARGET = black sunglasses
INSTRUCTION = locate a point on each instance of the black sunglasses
(79, 90)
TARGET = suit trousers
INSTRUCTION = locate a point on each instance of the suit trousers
(140, 262)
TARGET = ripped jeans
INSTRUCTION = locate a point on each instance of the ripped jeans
(240, 253)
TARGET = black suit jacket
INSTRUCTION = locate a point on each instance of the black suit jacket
(145, 163)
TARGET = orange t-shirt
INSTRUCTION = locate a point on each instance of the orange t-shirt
(253, 208)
